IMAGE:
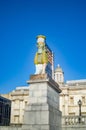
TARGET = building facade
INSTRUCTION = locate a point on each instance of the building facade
(72, 92)
(5, 110)
(19, 98)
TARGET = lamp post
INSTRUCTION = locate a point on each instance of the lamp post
(79, 103)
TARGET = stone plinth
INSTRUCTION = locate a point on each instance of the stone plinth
(42, 113)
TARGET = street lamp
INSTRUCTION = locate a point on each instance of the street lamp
(79, 103)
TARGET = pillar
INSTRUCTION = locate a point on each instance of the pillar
(43, 112)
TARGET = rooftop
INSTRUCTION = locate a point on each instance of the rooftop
(76, 82)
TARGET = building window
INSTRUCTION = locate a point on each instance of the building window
(84, 113)
(1, 107)
(0, 119)
(60, 77)
(83, 100)
(72, 114)
(71, 100)
(57, 77)
(16, 118)
(25, 103)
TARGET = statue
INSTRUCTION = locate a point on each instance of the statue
(41, 59)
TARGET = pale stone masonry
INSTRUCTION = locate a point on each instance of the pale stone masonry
(59, 75)
(72, 91)
(19, 98)
(43, 112)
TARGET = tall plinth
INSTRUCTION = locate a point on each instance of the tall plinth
(43, 112)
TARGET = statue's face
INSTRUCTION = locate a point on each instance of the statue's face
(40, 40)
(40, 45)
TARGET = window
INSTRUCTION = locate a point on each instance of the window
(72, 114)
(1, 107)
(84, 113)
(60, 77)
(71, 100)
(0, 119)
(83, 100)
(25, 103)
(16, 118)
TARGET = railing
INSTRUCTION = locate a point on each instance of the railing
(74, 120)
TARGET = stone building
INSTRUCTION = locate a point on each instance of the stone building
(5, 109)
(59, 75)
(19, 98)
(72, 92)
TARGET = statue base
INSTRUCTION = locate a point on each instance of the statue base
(38, 77)
(42, 113)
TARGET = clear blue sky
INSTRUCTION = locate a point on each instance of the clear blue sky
(63, 22)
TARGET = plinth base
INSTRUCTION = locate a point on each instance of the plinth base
(43, 113)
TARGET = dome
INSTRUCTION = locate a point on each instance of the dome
(58, 69)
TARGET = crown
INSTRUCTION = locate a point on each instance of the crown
(41, 36)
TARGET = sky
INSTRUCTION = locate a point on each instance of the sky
(63, 22)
